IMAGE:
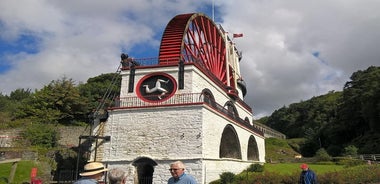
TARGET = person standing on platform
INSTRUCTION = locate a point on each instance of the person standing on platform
(177, 170)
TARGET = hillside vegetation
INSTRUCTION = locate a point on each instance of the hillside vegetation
(337, 120)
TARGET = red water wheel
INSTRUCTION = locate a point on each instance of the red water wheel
(197, 39)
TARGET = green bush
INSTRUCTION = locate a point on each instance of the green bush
(361, 173)
(255, 168)
(349, 162)
(40, 135)
(265, 177)
(357, 174)
(227, 178)
(322, 155)
(350, 151)
(332, 177)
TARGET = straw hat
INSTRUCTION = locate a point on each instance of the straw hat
(93, 168)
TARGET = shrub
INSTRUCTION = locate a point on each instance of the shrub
(290, 179)
(42, 135)
(227, 177)
(357, 174)
(350, 151)
(255, 168)
(362, 174)
(266, 177)
(333, 177)
(322, 155)
(351, 162)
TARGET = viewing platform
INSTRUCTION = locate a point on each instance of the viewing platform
(184, 99)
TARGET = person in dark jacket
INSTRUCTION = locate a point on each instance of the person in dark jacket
(307, 176)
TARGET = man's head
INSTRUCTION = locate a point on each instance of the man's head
(94, 170)
(116, 176)
(177, 169)
(304, 167)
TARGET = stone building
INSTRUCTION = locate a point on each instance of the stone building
(186, 105)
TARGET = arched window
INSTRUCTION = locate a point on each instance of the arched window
(246, 119)
(253, 151)
(208, 97)
(231, 108)
(230, 144)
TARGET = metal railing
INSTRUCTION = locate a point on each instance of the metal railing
(181, 99)
(371, 157)
(269, 132)
(177, 99)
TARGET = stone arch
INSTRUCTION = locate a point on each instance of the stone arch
(246, 119)
(145, 169)
(231, 108)
(208, 97)
(229, 144)
(253, 150)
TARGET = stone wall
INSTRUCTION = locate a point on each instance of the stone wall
(69, 136)
(8, 136)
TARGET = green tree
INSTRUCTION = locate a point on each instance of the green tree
(9, 106)
(20, 94)
(358, 113)
(58, 102)
(350, 150)
(363, 91)
(102, 89)
(322, 155)
(42, 135)
(4, 116)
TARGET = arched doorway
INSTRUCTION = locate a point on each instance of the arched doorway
(230, 144)
(145, 168)
(253, 151)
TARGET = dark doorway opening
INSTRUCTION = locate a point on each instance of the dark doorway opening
(145, 170)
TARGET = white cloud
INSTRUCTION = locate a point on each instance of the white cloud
(82, 39)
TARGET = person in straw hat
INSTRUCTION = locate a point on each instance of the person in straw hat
(93, 172)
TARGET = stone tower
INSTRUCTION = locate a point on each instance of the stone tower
(186, 105)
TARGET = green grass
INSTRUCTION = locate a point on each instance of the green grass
(290, 168)
(22, 172)
(278, 150)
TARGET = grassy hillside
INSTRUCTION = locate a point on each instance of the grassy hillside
(279, 150)
(290, 168)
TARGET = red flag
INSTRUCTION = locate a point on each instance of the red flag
(33, 173)
(237, 35)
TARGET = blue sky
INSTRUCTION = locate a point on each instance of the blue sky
(42, 41)
(23, 44)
